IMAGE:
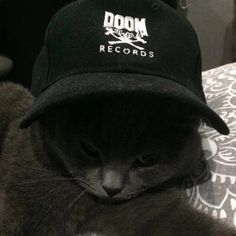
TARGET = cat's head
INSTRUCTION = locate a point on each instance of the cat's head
(117, 148)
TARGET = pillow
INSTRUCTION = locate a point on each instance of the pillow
(217, 196)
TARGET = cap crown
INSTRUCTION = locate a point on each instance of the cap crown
(130, 36)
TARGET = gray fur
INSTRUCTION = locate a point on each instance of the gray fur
(37, 198)
(163, 213)
(5, 65)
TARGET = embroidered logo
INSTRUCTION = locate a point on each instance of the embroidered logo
(126, 30)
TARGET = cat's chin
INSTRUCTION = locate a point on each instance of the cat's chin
(112, 200)
(118, 199)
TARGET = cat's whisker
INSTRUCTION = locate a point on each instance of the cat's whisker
(45, 180)
(43, 196)
(39, 169)
(75, 200)
(28, 167)
(60, 197)
(70, 205)
(64, 192)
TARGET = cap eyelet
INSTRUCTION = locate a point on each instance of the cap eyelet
(155, 6)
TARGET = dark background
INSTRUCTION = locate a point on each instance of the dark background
(22, 28)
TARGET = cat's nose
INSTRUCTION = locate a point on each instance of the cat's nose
(112, 182)
(112, 191)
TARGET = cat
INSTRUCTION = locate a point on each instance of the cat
(85, 162)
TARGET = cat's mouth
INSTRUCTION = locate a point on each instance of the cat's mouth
(110, 200)
(102, 198)
(118, 199)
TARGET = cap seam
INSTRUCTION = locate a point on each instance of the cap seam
(112, 72)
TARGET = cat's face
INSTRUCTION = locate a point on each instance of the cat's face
(118, 148)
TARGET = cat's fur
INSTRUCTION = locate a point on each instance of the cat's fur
(160, 213)
(45, 188)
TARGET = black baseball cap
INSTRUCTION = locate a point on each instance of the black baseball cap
(97, 47)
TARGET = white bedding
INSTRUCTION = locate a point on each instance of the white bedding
(217, 196)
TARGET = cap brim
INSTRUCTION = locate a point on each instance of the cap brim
(79, 86)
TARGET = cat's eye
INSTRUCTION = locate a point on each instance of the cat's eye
(91, 151)
(146, 159)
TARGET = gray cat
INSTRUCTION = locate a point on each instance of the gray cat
(106, 165)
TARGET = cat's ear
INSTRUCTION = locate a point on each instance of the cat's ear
(14, 102)
(5, 65)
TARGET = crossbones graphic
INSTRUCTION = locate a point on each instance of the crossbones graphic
(124, 39)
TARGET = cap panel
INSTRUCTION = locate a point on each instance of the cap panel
(79, 41)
